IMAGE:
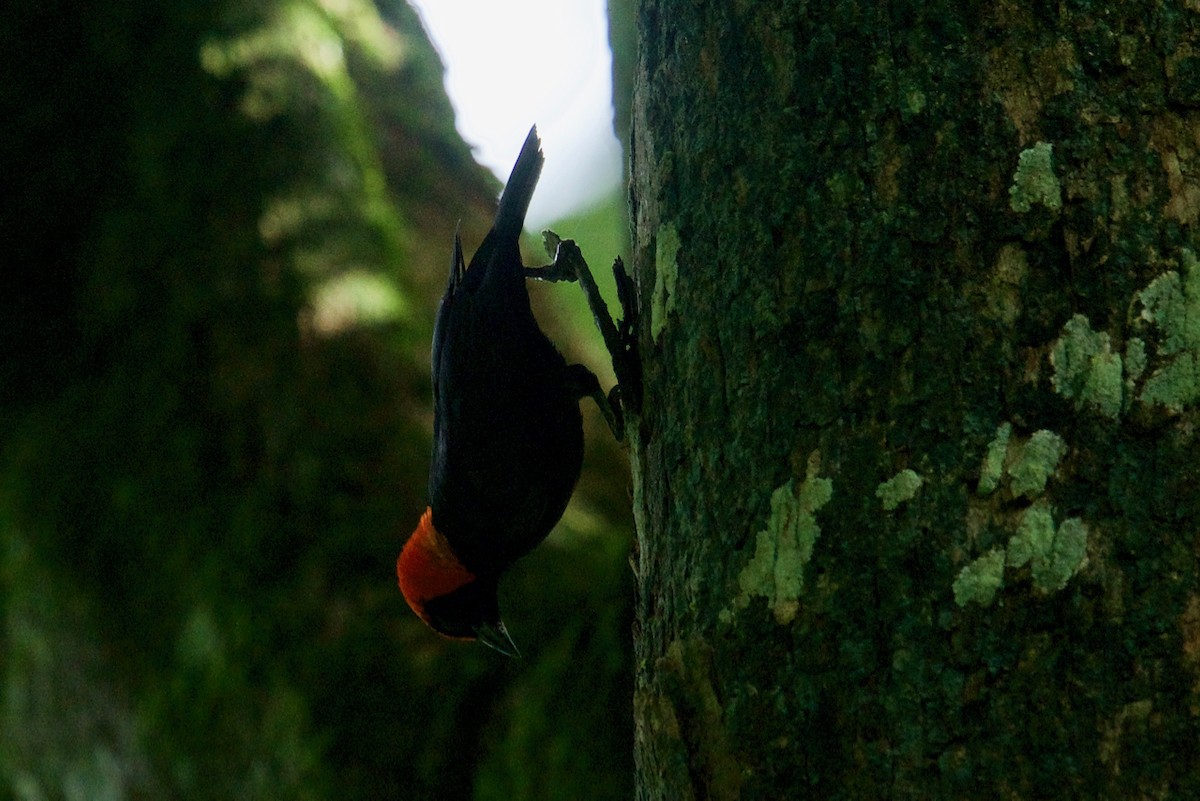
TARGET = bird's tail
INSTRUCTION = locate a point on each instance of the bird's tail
(510, 215)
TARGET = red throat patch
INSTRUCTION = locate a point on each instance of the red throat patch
(428, 567)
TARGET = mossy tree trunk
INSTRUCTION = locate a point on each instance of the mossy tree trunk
(916, 479)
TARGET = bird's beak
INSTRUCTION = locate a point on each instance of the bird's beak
(494, 635)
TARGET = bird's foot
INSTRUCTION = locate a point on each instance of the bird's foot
(565, 266)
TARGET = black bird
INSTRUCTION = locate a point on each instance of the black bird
(507, 431)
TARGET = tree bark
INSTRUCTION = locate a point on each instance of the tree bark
(916, 478)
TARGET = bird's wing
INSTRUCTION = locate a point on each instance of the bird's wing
(445, 310)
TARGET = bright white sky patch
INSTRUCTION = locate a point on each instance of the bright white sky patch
(513, 63)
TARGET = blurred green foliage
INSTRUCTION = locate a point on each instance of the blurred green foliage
(226, 228)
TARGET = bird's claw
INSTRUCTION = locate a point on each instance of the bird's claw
(567, 259)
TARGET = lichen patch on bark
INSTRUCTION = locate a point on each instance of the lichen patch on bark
(784, 547)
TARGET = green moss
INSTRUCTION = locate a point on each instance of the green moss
(993, 461)
(1055, 553)
(1034, 537)
(980, 580)
(1035, 463)
(913, 101)
(898, 489)
(1167, 303)
(784, 547)
(1176, 385)
(1035, 181)
(1066, 557)
(1172, 304)
(666, 271)
(1103, 388)
(1086, 369)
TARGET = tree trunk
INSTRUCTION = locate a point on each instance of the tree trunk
(916, 478)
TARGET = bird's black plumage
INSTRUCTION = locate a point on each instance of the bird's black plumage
(508, 439)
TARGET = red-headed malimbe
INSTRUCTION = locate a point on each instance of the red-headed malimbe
(507, 430)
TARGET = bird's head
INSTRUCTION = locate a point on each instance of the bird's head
(451, 599)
